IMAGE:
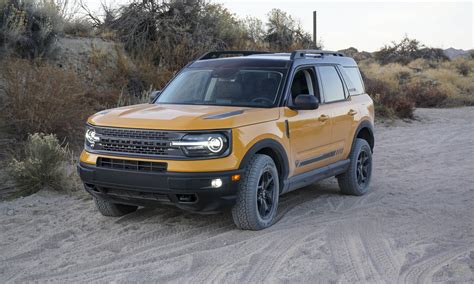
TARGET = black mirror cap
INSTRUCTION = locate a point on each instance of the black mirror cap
(154, 94)
(305, 102)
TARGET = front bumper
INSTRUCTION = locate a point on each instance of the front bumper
(188, 191)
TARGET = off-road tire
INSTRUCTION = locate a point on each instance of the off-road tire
(348, 181)
(113, 210)
(245, 212)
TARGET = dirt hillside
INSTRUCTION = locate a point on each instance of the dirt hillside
(416, 225)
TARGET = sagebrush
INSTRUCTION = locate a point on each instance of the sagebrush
(42, 164)
(29, 28)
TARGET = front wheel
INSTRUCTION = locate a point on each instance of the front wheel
(257, 199)
(107, 208)
(355, 181)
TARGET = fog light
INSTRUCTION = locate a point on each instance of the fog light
(216, 183)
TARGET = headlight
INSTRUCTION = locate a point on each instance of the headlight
(202, 145)
(91, 137)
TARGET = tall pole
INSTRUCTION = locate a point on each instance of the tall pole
(315, 38)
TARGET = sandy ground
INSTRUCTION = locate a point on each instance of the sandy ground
(415, 225)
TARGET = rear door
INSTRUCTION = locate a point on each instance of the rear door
(342, 111)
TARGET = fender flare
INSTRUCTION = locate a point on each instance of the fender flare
(364, 124)
(277, 148)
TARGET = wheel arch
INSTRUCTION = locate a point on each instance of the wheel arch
(275, 150)
(365, 131)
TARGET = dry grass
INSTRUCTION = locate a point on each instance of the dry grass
(39, 97)
(422, 82)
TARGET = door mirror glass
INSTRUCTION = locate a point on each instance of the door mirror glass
(154, 94)
(305, 102)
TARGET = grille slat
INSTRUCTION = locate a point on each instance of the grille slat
(139, 166)
(154, 143)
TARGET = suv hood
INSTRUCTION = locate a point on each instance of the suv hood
(182, 117)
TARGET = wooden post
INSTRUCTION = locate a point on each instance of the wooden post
(315, 38)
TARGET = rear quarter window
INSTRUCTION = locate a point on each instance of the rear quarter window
(353, 80)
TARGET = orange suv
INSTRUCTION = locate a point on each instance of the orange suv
(234, 129)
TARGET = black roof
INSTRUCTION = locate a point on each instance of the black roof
(275, 60)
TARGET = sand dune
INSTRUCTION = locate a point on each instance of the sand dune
(415, 225)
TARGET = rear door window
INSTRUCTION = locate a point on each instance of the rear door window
(333, 88)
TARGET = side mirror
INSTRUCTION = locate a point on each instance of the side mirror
(154, 95)
(305, 102)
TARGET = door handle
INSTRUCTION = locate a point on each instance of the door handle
(323, 117)
(352, 112)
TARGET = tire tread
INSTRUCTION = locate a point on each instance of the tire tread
(244, 212)
(346, 181)
(113, 210)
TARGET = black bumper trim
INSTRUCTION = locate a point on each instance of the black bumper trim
(154, 188)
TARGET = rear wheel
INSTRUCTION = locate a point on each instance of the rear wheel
(355, 181)
(257, 199)
(107, 208)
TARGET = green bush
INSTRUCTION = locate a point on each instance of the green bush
(42, 164)
(28, 28)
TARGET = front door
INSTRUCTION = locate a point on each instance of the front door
(310, 130)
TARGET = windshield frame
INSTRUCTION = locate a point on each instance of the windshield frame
(276, 103)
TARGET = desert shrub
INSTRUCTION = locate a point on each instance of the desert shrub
(79, 28)
(40, 97)
(388, 102)
(421, 82)
(28, 28)
(143, 98)
(255, 33)
(284, 33)
(356, 54)
(463, 68)
(408, 50)
(171, 33)
(425, 94)
(41, 165)
(458, 88)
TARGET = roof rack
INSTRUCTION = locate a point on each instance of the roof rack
(220, 53)
(301, 54)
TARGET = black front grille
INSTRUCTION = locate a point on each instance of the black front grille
(127, 194)
(139, 166)
(140, 142)
(122, 193)
(137, 133)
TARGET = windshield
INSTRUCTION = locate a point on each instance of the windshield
(224, 87)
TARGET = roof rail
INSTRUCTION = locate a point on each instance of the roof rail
(220, 53)
(300, 54)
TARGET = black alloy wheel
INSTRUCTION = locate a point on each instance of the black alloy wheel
(265, 194)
